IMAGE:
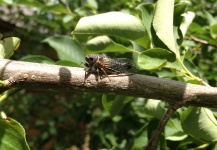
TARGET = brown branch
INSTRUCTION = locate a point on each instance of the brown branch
(43, 76)
(170, 111)
(201, 41)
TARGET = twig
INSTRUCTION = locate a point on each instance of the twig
(170, 111)
(200, 41)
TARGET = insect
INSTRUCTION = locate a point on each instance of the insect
(104, 65)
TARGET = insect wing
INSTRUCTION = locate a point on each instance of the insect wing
(119, 65)
(125, 65)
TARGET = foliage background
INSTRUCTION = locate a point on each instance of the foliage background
(64, 120)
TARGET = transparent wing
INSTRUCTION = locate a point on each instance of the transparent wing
(120, 65)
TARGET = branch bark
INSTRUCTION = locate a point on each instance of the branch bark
(28, 75)
(200, 41)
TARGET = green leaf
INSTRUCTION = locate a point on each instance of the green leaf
(111, 138)
(54, 8)
(147, 13)
(199, 123)
(8, 46)
(188, 18)
(213, 31)
(141, 138)
(12, 135)
(66, 63)
(196, 28)
(165, 73)
(10, 2)
(174, 64)
(153, 108)
(112, 23)
(103, 44)
(119, 103)
(163, 24)
(214, 147)
(107, 103)
(178, 18)
(32, 3)
(38, 59)
(173, 130)
(211, 20)
(92, 4)
(178, 11)
(114, 106)
(193, 82)
(155, 58)
(66, 48)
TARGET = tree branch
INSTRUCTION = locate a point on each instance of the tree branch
(200, 41)
(43, 76)
(170, 111)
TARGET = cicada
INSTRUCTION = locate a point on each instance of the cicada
(103, 65)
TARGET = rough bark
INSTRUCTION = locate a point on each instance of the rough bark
(43, 76)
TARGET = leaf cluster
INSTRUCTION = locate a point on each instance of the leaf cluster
(168, 39)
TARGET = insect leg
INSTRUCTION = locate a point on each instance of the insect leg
(105, 73)
(80, 64)
(87, 74)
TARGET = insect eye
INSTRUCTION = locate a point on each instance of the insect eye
(91, 58)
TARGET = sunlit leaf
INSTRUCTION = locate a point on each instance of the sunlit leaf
(92, 3)
(200, 124)
(213, 31)
(155, 58)
(12, 135)
(10, 2)
(164, 27)
(147, 11)
(8, 46)
(153, 108)
(173, 130)
(114, 24)
(103, 44)
(66, 48)
(188, 18)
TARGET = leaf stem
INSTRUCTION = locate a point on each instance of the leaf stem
(136, 52)
(190, 75)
